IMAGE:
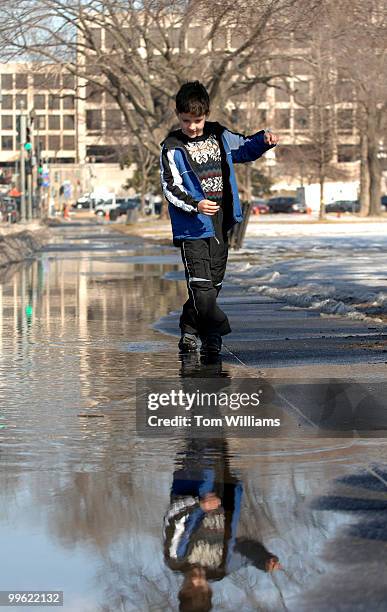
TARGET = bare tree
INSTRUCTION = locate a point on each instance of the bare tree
(140, 53)
(315, 105)
(361, 56)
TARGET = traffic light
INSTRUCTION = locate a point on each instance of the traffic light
(28, 149)
(40, 174)
(28, 143)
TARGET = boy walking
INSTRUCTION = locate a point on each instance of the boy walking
(198, 181)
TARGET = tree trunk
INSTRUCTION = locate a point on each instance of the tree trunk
(164, 210)
(374, 165)
(364, 176)
(322, 205)
(142, 194)
(143, 186)
(248, 194)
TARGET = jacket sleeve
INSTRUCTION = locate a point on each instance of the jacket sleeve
(253, 553)
(180, 522)
(246, 148)
(172, 183)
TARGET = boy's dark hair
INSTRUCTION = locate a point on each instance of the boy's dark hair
(193, 599)
(193, 98)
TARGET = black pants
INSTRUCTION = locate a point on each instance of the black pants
(205, 262)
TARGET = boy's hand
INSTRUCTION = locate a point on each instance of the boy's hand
(210, 502)
(207, 207)
(272, 564)
(270, 138)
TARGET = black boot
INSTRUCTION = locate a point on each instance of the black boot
(211, 344)
(188, 343)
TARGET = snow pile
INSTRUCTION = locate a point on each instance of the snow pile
(334, 275)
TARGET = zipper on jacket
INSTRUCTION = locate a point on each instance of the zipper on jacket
(201, 189)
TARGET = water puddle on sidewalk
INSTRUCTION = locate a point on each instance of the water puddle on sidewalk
(111, 518)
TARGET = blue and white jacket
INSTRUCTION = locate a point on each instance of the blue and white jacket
(182, 187)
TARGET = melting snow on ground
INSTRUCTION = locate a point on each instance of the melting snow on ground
(332, 269)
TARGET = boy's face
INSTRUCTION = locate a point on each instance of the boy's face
(191, 125)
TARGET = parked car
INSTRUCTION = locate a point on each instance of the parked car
(125, 204)
(383, 201)
(343, 206)
(153, 204)
(259, 207)
(104, 204)
(286, 205)
(82, 202)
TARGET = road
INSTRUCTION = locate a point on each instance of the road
(83, 495)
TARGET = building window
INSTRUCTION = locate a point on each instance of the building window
(301, 40)
(219, 42)
(281, 93)
(54, 143)
(155, 37)
(68, 122)
(258, 93)
(237, 38)
(40, 122)
(173, 37)
(282, 119)
(7, 143)
(68, 143)
(238, 117)
(68, 81)
(301, 92)
(344, 91)
(110, 40)
(93, 93)
(40, 81)
(21, 80)
(345, 120)
(132, 38)
(301, 119)
(54, 122)
(93, 119)
(7, 102)
(261, 115)
(7, 81)
(21, 101)
(109, 98)
(113, 119)
(96, 38)
(280, 66)
(53, 81)
(68, 102)
(102, 153)
(53, 102)
(296, 154)
(194, 37)
(41, 145)
(40, 101)
(7, 122)
(301, 67)
(348, 153)
(46, 81)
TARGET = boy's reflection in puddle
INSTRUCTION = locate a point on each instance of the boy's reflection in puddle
(201, 522)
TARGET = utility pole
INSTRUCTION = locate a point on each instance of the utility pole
(29, 147)
(23, 136)
(29, 202)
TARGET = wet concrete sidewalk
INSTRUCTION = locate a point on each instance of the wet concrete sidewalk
(270, 334)
(83, 495)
